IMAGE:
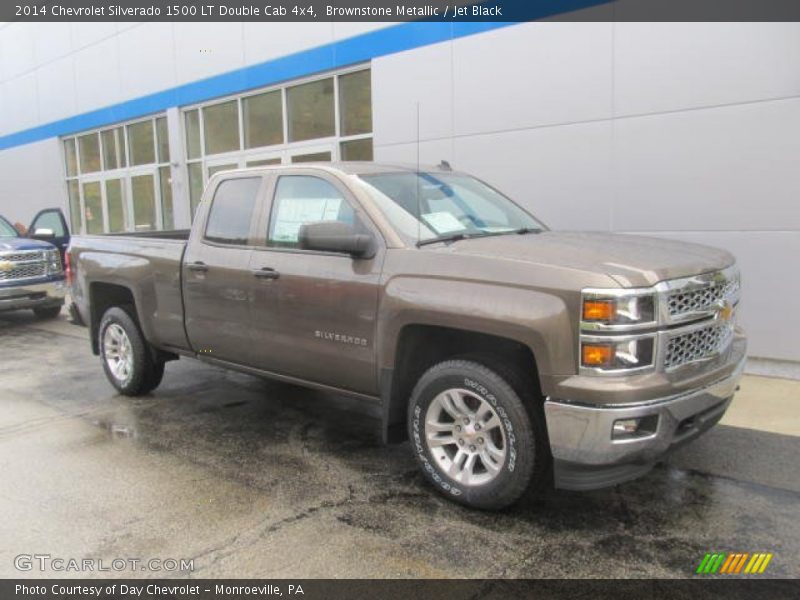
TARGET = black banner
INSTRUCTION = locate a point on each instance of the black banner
(320, 589)
(401, 10)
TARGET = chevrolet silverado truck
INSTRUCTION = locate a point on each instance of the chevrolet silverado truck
(31, 275)
(511, 356)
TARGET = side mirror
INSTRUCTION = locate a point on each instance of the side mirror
(43, 233)
(335, 236)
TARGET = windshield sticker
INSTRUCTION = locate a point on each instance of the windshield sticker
(443, 222)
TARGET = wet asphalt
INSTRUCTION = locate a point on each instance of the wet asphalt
(252, 478)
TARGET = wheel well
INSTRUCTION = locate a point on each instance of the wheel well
(103, 296)
(419, 347)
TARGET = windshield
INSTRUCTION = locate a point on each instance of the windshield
(427, 206)
(7, 229)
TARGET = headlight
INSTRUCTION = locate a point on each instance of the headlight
(617, 310)
(609, 354)
(53, 258)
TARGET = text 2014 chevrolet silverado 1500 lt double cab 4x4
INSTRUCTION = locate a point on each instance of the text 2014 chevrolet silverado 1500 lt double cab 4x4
(498, 347)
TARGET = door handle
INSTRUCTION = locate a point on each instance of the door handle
(266, 273)
(198, 266)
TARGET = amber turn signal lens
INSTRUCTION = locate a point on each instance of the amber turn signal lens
(597, 355)
(599, 310)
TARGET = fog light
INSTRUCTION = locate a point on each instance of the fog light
(624, 429)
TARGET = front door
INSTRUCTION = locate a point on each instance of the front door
(51, 227)
(216, 272)
(314, 313)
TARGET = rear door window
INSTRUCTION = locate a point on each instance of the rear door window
(232, 210)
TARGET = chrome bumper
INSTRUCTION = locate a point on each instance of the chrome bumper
(585, 454)
(49, 293)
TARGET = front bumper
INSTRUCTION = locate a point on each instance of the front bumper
(33, 295)
(587, 457)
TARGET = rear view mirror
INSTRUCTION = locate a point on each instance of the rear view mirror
(335, 236)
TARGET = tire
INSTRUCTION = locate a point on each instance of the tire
(127, 360)
(510, 447)
(49, 312)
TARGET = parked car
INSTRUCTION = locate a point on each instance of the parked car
(504, 351)
(31, 273)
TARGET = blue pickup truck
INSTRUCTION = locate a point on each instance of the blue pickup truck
(31, 271)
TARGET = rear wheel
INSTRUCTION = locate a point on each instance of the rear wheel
(49, 312)
(474, 437)
(127, 359)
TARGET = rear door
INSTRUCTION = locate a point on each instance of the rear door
(314, 312)
(47, 221)
(217, 284)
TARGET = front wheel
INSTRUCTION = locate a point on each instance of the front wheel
(49, 312)
(127, 360)
(474, 437)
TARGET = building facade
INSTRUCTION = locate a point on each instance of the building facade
(686, 131)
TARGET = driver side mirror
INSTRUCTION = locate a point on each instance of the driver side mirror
(44, 234)
(335, 236)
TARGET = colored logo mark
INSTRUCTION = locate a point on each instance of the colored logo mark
(734, 563)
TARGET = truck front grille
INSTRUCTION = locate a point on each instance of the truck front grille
(681, 302)
(20, 265)
(699, 344)
(22, 256)
(28, 271)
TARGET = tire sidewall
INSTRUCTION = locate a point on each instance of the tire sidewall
(141, 366)
(516, 471)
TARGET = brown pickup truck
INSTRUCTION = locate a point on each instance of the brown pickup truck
(510, 355)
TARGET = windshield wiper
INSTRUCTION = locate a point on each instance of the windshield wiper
(466, 236)
(444, 238)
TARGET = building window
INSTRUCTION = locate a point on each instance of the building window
(311, 110)
(263, 119)
(118, 178)
(320, 119)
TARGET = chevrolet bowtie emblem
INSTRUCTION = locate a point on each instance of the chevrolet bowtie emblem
(726, 311)
(6, 265)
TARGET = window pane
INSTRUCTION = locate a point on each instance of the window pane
(167, 211)
(355, 103)
(315, 157)
(93, 207)
(195, 185)
(70, 157)
(162, 138)
(310, 108)
(115, 202)
(113, 148)
(218, 168)
(141, 143)
(144, 203)
(263, 120)
(89, 146)
(49, 220)
(356, 150)
(221, 127)
(301, 199)
(73, 192)
(232, 211)
(263, 162)
(193, 134)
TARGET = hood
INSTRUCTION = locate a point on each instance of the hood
(21, 243)
(633, 261)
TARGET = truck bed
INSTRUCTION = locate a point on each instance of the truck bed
(149, 264)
